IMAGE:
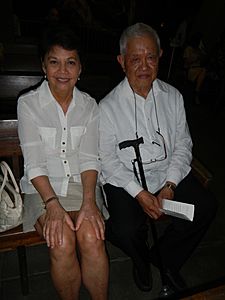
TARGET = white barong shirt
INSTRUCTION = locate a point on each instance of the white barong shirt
(119, 122)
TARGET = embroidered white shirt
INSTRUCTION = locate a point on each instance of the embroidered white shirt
(118, 124)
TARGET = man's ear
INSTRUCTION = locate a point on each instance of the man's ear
(160, 53)
(120, 59)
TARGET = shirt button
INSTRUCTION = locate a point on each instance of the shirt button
(63, 143)
(64, 128)
(65, 162)
(63, 151)
(68, 175)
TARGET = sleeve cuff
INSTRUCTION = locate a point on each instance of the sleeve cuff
(133, 188)
(176, 177)
(32, 173)
(90, 166)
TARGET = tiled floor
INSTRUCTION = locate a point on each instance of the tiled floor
(207, 263)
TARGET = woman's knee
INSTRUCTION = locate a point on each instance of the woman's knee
(67, 248)
(87, 239)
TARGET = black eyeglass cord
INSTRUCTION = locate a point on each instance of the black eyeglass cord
(135, 113)
(156, 112)
(136, 127)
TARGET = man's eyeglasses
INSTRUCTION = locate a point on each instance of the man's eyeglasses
(163, 144)
(152, 160)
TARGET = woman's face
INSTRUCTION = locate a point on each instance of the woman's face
(62, 68)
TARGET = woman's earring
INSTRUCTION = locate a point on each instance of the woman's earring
(79, 76)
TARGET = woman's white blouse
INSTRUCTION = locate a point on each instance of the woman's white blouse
(58, 145)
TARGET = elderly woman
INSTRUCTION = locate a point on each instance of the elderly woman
(58, 131)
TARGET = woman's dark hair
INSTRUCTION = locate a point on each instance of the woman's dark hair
(61, 35)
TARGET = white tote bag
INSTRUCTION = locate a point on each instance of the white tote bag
(11, 205)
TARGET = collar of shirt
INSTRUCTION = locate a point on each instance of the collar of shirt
(46, 96)
(158, 86)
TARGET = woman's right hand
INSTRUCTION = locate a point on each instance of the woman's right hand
(55, 219)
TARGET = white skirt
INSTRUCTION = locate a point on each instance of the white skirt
(34, 206)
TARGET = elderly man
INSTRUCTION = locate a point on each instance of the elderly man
(144, 106)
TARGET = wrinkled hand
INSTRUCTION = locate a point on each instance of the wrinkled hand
(92, 213)
(150, 204)
(165, 193)
(55, 219)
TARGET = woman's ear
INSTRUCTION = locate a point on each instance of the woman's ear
(43, 67)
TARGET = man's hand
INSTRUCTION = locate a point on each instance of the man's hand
(55, 219)
(92, 213)
(166, 193)
(150, 204)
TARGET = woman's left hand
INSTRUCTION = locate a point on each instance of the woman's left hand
(91, 213)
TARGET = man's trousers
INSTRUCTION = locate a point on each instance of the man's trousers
(127, 227)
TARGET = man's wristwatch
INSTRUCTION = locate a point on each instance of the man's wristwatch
(170, 186)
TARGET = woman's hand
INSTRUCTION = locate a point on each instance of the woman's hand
(91, 213)
(89, 210)
(55, 216)
(55, 219)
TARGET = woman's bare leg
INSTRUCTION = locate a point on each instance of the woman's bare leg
(65, 269)
(94, 262)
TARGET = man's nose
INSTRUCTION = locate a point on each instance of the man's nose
(144, 63)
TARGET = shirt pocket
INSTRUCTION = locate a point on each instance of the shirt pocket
(48, 136)
(76, 135)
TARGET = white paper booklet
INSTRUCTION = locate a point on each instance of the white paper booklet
(178, 209)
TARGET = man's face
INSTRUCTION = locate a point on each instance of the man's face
(140, 63)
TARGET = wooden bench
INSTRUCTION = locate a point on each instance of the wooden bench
(16, 239)
(14, 84)
(21, 58)
(11, 86)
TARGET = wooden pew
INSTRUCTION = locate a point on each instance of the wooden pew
(14, 84)
(16, 239)
(21, 58)
(201, 173)
(11, 86)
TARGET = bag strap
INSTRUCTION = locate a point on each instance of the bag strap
(6, 170)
